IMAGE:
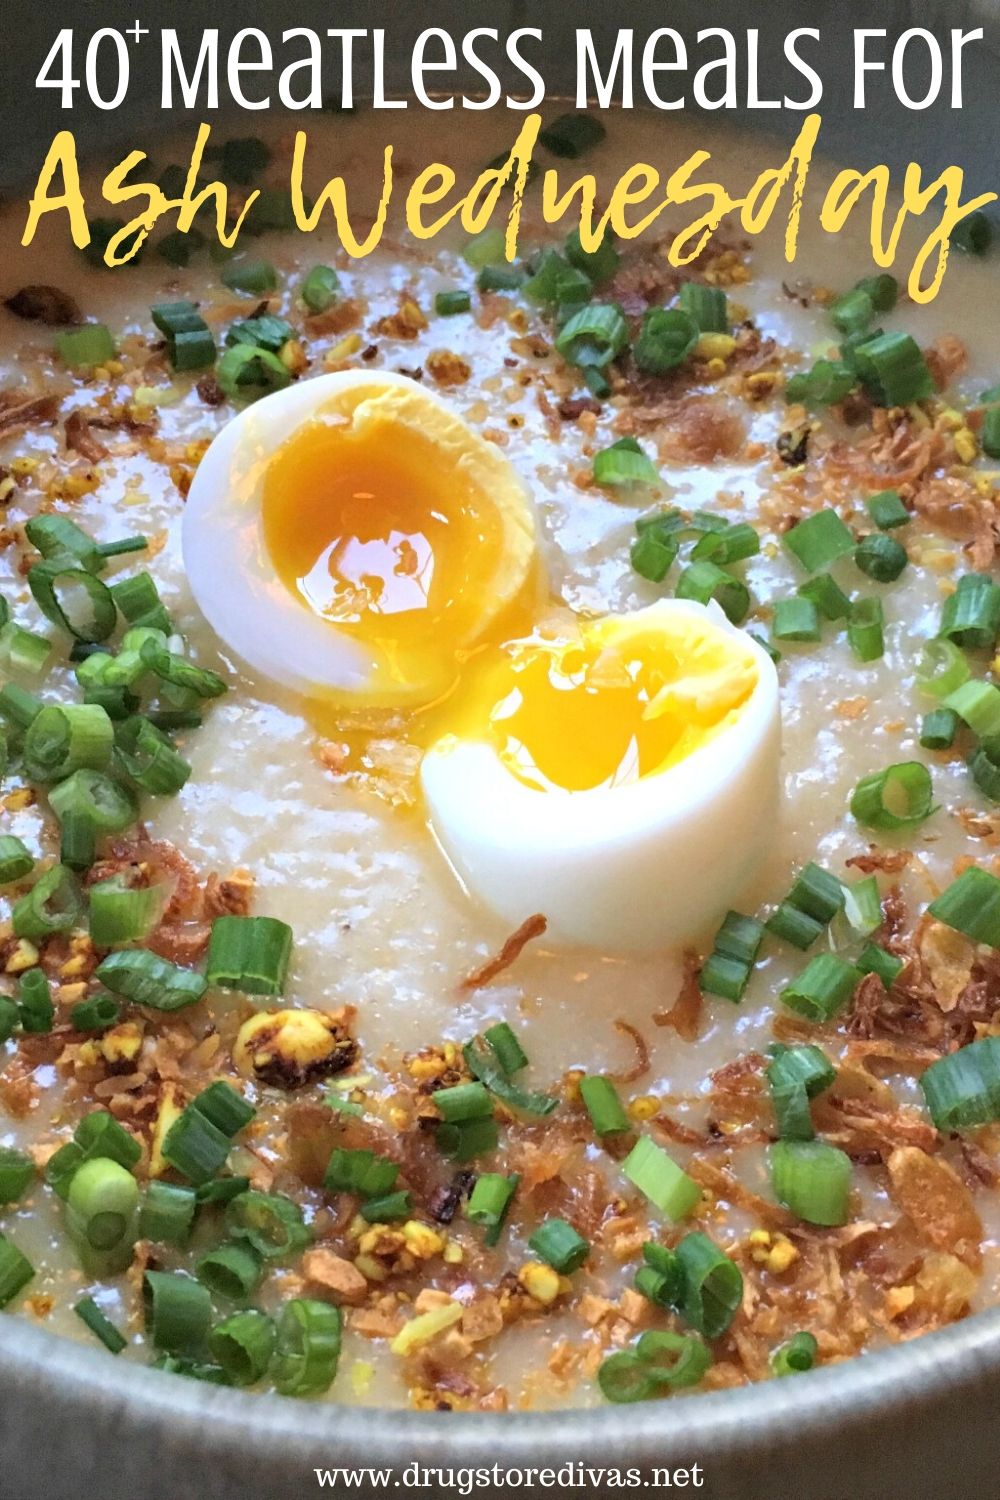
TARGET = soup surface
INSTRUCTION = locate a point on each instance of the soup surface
(299, 809)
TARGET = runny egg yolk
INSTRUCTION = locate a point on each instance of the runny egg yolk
(614, 705)
(375, 535)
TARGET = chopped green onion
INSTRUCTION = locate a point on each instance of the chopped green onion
(865, 629)
(828, 382)
(90, 794)
(793, 926)
(796, 619)
(827, 595)
(173, 669)
(594, 336)
(962, 1089)
(73, 599)
(196, 1147)
(318, 290)
(989, 436)
(249, 954)
(101, 1203)
(816, 892)
(984, 767)
(18, 706)
(853, 312)
(15, 860)
(397, 1205)
(97, 1135)
(572, 135)
(243, 1346)
(362, 1172)
(597, 265)
(178, 1311)
(101, 1327)
(486, 249)
(795, 1357)
(231, 1271)
(57, 536)
(706, 305)
(190, 344)
(666, 338)
(148, 758)
(819, 540)
(447, 304)
(973, 234)
(95, 1014)
(971, 615)
(978, 704)
(971, 905)
(246, 372)
(796, 1075)
(939, 728)
(146, 979)
(703, 581)
(167, 1213)
(600, 1097)
(82, 348)
(34, 1002)
(124, 914)
(660, 1179)
(506, 1048)
(881, 557)
(52, 905)
(893, 370)
(9, 1019)
(653, 554)
(897, 797)
(308, 1347)
(812, 1179)
(139, 601)
(60, 741)
(117, 702)
(271, 1223)
(222, 1190)
(883, 290)
(254, 277)
(734, 544)
(463, 1101)
(825, 984)
(887, 510)
(712, 1285)
(661, 1279)
(23, 651)
(625, 464)
(499, 279)
(661, 1359)
(263, 332)
(942, 669)
(876, 960)
(15, 1271)
(465, 1140)
(724, 976)
(863, 905)
(558, 1244)
(17, 1172)
(489, 1202)
(523, 1102)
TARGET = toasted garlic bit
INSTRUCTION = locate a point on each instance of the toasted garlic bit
(289, 1048)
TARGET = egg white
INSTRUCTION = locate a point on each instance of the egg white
(636, 867)
(234, 579)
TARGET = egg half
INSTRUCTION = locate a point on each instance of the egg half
(620, 778)
(351, 537)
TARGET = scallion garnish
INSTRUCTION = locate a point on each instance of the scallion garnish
(704, 581)
(865, 629)
(825, 984)
(108, 806)
(178, 1311)
(939, 728)
(167, 1213)
(362, 1172)
(82, 348)
(249, 954)
(600, 1097)
(397, 1205)
(795, 1357)
(876, 960)
(308, 1347)
(447, 304)
(897, 797)
(597, 265)
(942, 669)
(231, 1271)
(971, 615)
(15, 1271)
(34, 1002)
(881, 557)
(523, 1102)
(124, 914)
(149, 759)
(506, 1048)
(146, 979)
(796, 1075)
(254, 277)
(828, 382)
(558, 1244)
(887, 510)
(661, 1360)
(893, 370)
(101, 1204)
(796, 619)
(661, 1278)
(711, 1285)
(818, 540)
(52, 905)
(624, 464)
(101, 1327)
(95, 1014)
(15, 860)
(962, 1089)
(666, 337)
(243, 1345)
(17, 1172)
(73, 599)
(812, 1179)
(660, 1179)
(489, 1202)
(594, 336)
(61, 740)
(971, 905)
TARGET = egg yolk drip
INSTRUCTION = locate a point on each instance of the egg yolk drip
(376, 535)
(612, 706)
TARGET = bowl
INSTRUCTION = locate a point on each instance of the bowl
(913, 1421)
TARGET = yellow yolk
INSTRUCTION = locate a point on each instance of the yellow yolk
(369, 531)
(616, 704)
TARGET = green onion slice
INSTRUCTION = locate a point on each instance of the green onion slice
(812, 1179)
(898, 797)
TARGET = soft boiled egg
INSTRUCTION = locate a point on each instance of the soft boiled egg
(352, 538)
(621, 778)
